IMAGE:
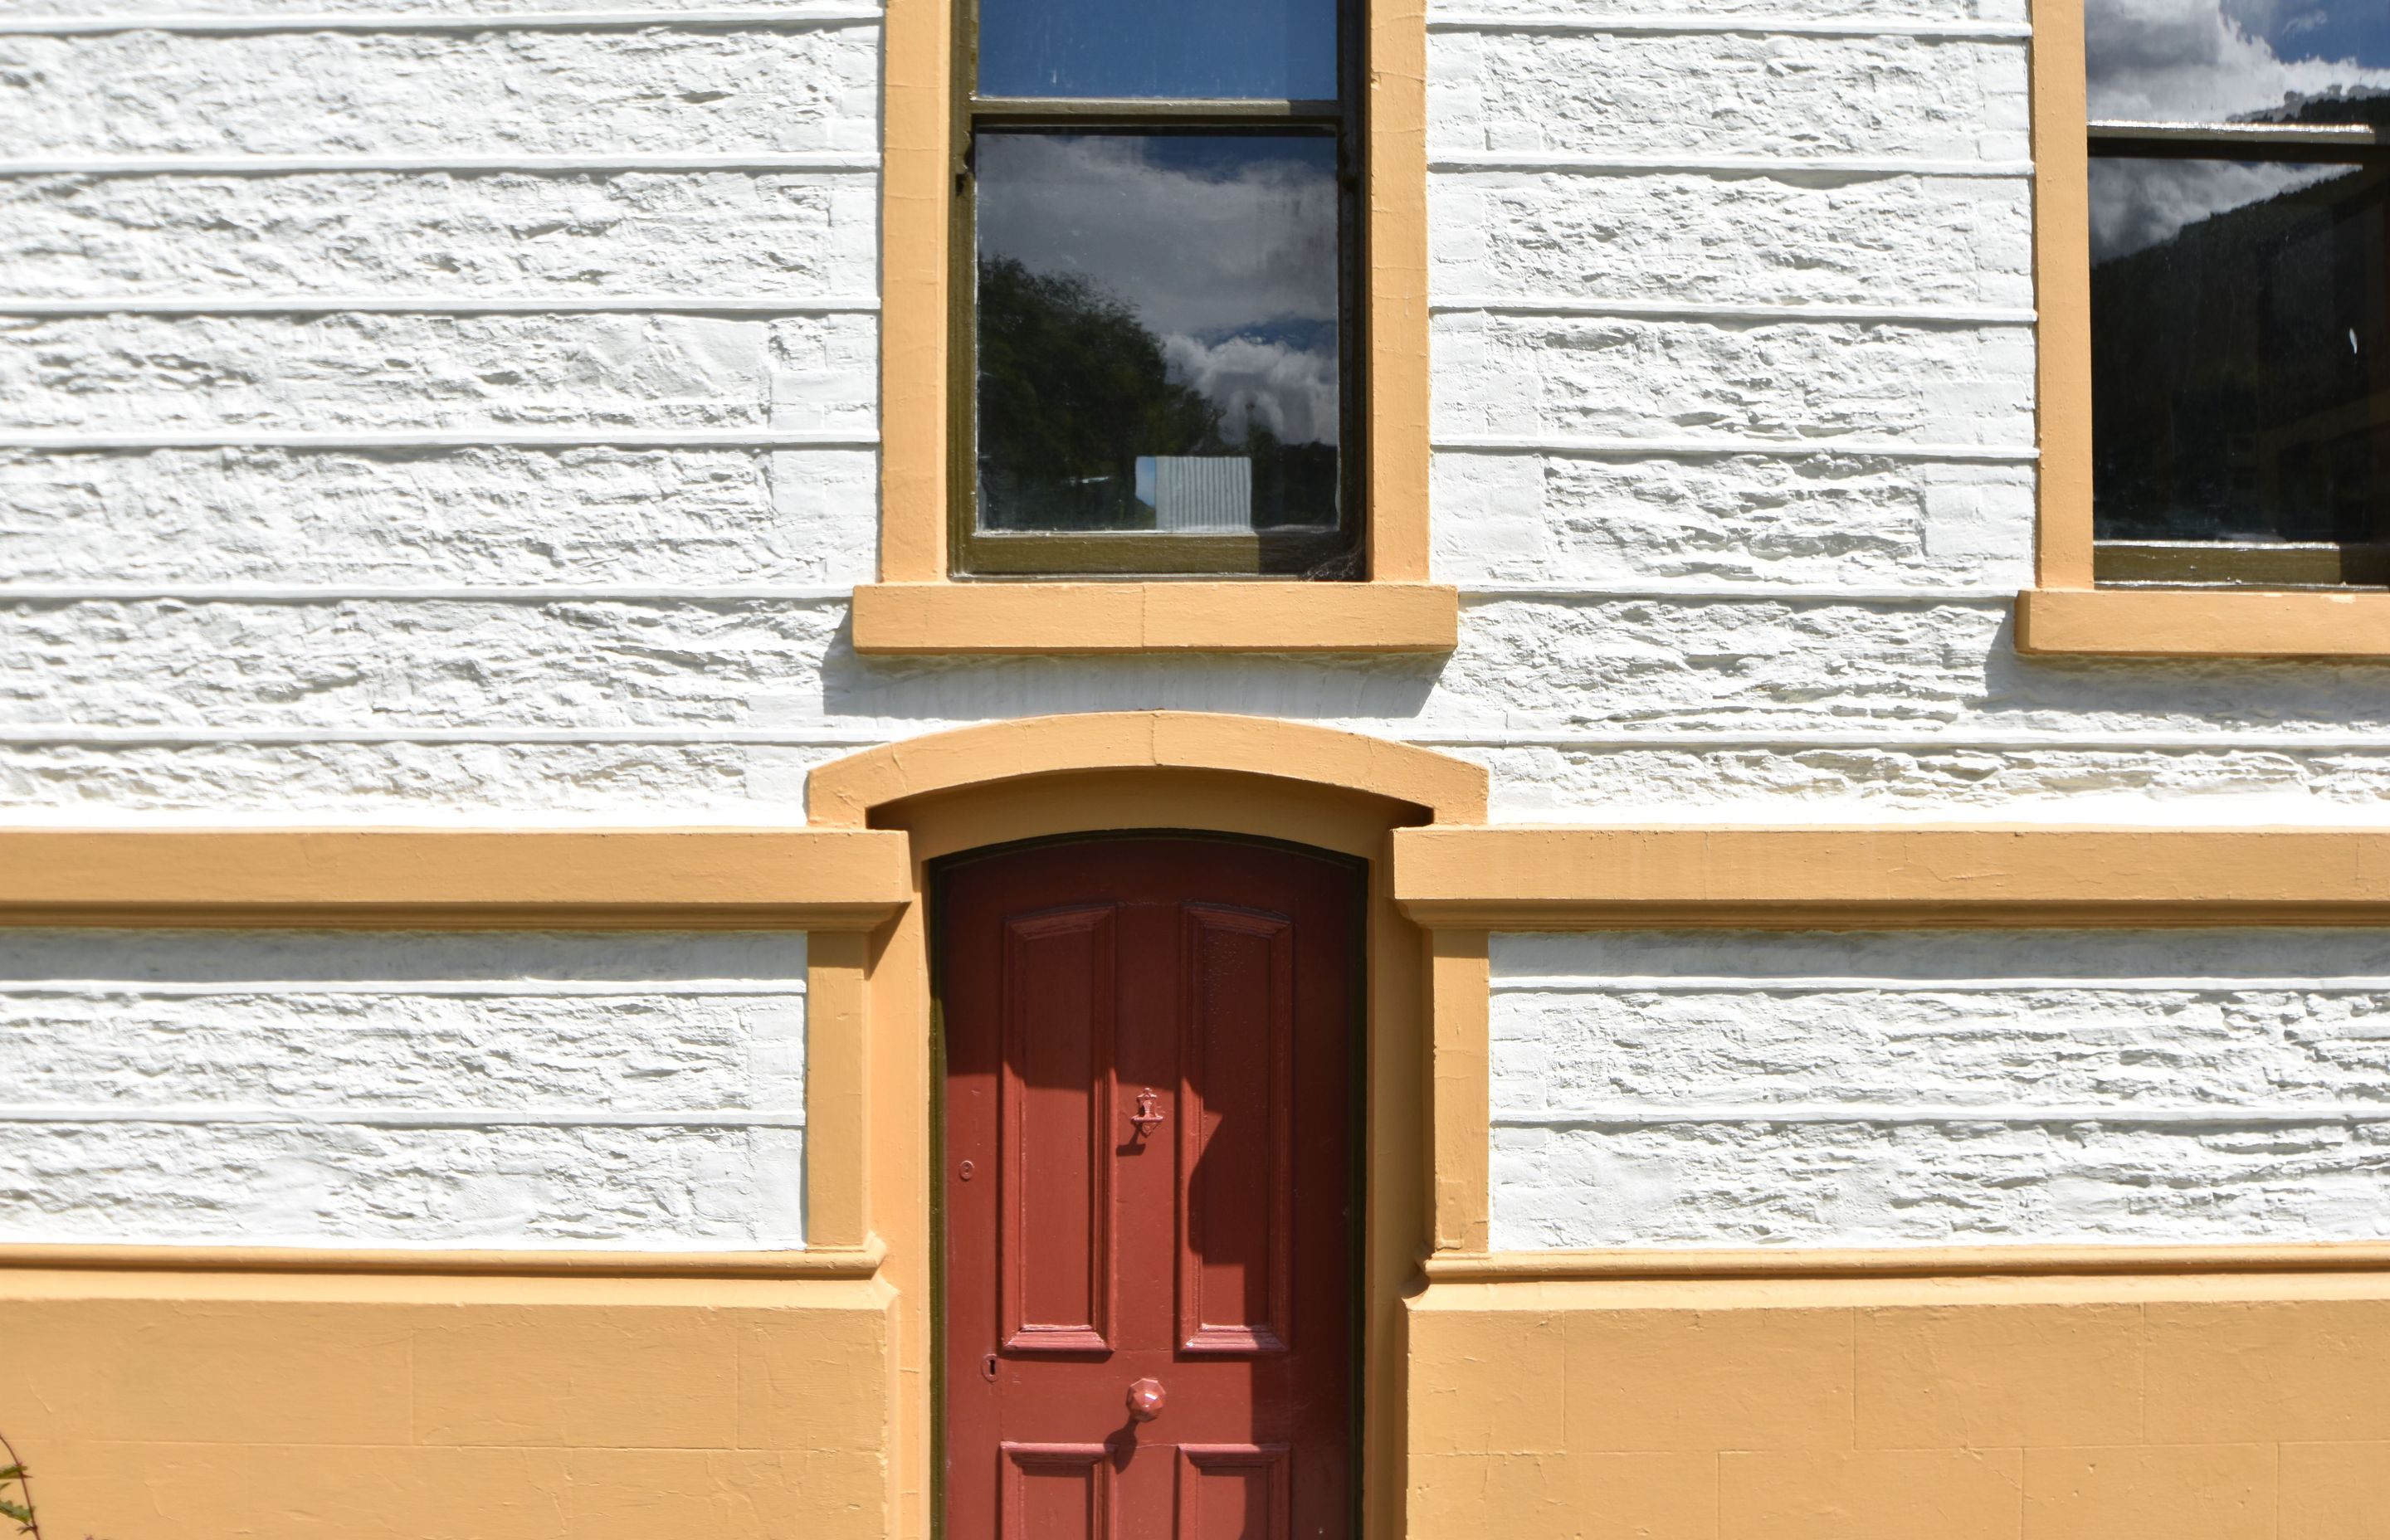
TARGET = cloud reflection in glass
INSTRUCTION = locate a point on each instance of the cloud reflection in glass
(1149, 302)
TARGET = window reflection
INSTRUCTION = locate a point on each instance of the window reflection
(1158, 331)
(1272, 49)
(2240, 338)
(2316, 61)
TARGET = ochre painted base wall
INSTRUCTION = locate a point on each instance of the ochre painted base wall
(2202, 1408)
(175, 1406)
(155, 1405)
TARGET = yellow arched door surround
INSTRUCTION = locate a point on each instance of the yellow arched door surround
(868, 1067)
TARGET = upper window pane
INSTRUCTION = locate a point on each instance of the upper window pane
(1267, 49)
(1158, 346)
(2216, 61)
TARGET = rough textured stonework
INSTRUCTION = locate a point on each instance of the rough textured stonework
(1749, 518)
(1674, 238)
(488, 517)
(433, 233)
(380, 372)
(414, 93)
(1807, 382)
(1727, 95)
(1722, 562)
(485, 1090)
(1906, 1089)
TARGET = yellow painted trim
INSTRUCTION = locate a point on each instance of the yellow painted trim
(665, 879)
(859, 1262)
(915, 189)
(847, 792)
(1395, 118)
(1528, 879)
(838, 1091)
(2062, 219)
(1460, 992)
(1049, 776)
(2205, 622)
(2064, 614)
(917, 184)
(1792, 1262)
(1040, 617)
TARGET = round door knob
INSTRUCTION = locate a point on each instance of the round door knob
(1145, 1399)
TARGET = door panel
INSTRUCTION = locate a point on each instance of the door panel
(1238, 1063)
(1057, 1491)
(1233, 1492)
(1055, 1114)
(1148, 1190)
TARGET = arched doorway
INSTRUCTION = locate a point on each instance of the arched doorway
(871, 1157)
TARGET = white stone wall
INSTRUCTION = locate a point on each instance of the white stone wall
(432, 425)
(1917, 1088)
(540, 1091)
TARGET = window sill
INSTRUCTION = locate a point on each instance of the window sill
(951, 618)
(2204, 623)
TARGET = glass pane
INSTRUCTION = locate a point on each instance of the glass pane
(1273, 49)
(2317, 61)
(2240, 351)
(1157, 331)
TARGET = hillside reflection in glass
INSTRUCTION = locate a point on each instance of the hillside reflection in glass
(1158, 337)
(2241, 292)
(2242, 364)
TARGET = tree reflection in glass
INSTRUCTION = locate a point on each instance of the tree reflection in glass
(1157, 332)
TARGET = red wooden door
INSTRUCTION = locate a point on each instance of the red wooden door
(1185, 1253)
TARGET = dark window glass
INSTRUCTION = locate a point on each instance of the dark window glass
(1277, 49)
(1157, 331)
(1155, 290)
(2240, 351)
(2240, 289)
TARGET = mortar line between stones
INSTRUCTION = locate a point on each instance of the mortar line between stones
(820, 163)
(200, 1114)
(1789, 741)
(1674, 1114)
(1760, 983)
(1549, 305)
(772, 19)
(434, 304)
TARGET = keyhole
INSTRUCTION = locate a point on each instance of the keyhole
(965, 1172)
(987, 1369)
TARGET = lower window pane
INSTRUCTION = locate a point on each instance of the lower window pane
(2240, 352)
(1158, 345)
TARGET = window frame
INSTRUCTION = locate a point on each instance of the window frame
(977, 553)
(2139, 599)
(918, 605)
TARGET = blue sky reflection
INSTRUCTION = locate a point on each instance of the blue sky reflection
(1270, 49)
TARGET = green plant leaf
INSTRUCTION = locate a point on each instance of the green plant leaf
(18, 1511)
(12, 1473)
